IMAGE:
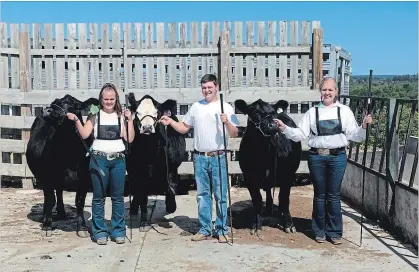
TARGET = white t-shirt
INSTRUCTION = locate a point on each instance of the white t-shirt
(352, 132)
(107, 146)
(208, 129)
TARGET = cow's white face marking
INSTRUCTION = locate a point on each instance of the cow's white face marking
(146, 111)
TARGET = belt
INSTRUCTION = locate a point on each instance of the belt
(209, 154)
(110, 156)
(327, 151)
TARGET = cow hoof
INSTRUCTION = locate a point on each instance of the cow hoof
(145, 227)
(83, 233)
(46, 233)
(290, 230)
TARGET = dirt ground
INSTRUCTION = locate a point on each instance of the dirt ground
(25, 249)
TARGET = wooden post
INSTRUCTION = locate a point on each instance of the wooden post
(317, 70)
(25, 86)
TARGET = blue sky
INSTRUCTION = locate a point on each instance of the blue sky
(382, 36)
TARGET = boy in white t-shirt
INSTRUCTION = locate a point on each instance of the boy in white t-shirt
(209, 157)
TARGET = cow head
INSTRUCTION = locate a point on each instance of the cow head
(147, 111)
(56, 112)
(261, 114)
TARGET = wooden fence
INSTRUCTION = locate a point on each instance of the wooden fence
(39, 64)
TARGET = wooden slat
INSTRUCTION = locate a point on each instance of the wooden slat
(282, 58)
(105, 59)
(116, 60)
(294, 57)
(260, 71)
(138, 44)
(196, 52)
(171, 69)
(161, 67)
(25, 122)
(227, 26)
(14, 65)
(24, 62)
(83, 65)
(249, 59)
(94, 60)
(186, 168)
(215, 38)
(193, 68)
(238, 59)
(205, 44)
(183, 79)
(60, 61)
(72, 61)
(128, 84)
(150, 60)
(224, 63)
(305, 41)
(4, 61)
(317, 57)
(271, 59)
(181, 95)
(37, 61)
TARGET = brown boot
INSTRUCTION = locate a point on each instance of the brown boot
(223, 238)
(200, 237)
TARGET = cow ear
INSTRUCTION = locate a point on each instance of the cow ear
(281, 104)
(89, 102)
(132, 102)
(241, 105)
(168, 107)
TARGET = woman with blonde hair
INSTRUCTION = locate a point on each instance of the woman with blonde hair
(329, 126)
(107, 124)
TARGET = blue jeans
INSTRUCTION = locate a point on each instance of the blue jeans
(114, 178)
(327, 174)
(211, 179)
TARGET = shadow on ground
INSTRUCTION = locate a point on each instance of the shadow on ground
(67, 224)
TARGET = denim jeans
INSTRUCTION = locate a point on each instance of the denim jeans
(211, 179)
(114, 178)
(327, 174)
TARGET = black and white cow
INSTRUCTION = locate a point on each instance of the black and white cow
(56, 156)
(260, 142)
(150, 171)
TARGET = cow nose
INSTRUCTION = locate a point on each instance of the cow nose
(147, 128)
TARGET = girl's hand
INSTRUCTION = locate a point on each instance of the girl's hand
(72, 116)
(127, 114)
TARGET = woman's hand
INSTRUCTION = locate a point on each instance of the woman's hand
(127, 114)
(72, 116)
(280, 124)
(367, 120)
(166, 120)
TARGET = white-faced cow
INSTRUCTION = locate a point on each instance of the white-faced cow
(260, 142)
(57, 158)
(150, 171)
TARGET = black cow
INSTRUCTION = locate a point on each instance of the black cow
(56, 156)
(150, 171)
(260, 142)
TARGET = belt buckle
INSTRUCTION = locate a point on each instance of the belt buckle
(323, 151)
(110, 156)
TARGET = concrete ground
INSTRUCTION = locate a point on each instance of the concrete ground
(167, 247)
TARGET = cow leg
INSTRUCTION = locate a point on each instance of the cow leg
(82, 230)
(284, 203)
(49, 203)
(257, 209)
(144, 223)
(61, 215)
(269, 201)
